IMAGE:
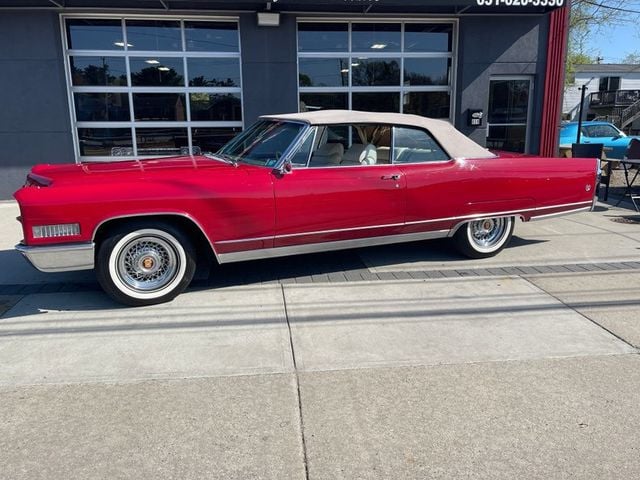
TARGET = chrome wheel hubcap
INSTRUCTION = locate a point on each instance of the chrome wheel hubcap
(147, 264)
(488, 232)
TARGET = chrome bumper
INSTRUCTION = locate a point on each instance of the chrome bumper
(60, 258)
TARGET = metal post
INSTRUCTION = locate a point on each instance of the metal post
(582, 89)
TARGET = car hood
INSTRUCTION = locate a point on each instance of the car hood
(134, 169)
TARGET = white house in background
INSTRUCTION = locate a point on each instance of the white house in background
(613, 94)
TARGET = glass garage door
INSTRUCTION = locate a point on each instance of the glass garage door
(387, 66)
(149, 87)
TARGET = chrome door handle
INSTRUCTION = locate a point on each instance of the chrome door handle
(391, 177)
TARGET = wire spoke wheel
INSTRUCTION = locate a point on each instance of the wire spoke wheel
(144, 263)
(486, 233)
(147, 264)
(484, 237)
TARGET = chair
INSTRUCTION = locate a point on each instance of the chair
(594, 150)
(633, 152)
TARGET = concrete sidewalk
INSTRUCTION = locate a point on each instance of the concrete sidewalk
(325, 375)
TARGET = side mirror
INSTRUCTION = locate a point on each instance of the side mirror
(284, 169)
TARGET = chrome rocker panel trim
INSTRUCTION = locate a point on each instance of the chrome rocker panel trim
(60, 258)
(328, 246)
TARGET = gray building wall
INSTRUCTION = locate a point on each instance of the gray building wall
(34, 113)
(269, 67)
(34, 118)
(499, 46)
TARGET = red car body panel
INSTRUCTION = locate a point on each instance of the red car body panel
(248, 208)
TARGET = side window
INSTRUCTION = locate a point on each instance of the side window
(300, 158)
(352, 145)
(411, 145)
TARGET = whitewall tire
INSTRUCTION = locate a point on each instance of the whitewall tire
(143, 263)
(484, 237)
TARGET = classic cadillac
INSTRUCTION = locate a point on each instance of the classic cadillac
(289, 184)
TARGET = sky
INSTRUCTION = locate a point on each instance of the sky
(613, 43)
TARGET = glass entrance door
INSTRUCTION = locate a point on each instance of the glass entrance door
(509, 113)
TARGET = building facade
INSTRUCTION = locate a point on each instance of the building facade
(98, 81)
(613, 94)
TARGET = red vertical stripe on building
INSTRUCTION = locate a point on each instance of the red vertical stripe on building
(554, 81)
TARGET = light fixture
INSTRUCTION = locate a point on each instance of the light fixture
(379, 46)
(121, 44)
(164, 69)
(355, 64)
(152, 61)
(344, 70)
(268, 19)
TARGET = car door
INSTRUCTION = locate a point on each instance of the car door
(442, 191)
(338, 201)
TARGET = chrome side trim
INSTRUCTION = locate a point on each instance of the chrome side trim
(498, 214)
(418, 222)
(60, 258)
(535, 218)
(328, 246)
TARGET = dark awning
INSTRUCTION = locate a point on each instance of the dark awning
(452, 7)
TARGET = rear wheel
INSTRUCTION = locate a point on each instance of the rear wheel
(145, 263)
(485, 237)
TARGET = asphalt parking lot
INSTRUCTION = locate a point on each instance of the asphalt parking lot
(390, 362)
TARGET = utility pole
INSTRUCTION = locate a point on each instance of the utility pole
(582, 89)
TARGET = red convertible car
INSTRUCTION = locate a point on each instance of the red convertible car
(289, 184)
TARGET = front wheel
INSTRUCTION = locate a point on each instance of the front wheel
(145, 263)
(485, 237)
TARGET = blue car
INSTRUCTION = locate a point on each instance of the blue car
(614, 140)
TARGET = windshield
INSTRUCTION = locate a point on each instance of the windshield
(262, 144)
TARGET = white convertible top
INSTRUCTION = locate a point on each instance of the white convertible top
(456, 144)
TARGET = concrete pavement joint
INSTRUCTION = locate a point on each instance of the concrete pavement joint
(635, 349)
(297, 380)
(351, 276)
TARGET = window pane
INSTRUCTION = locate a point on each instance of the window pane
(105, 141)
(210, 140)
(427, 104)
(411, 145)
(159, 106)
(509, 138)
(211, 36)
(426, 71)
(508, 101)
(95, 34)
(98, 71)
(301, 156)
(323, 37)
(427, 37)
(214, 72)
(375, 72)
(102, 107)
(376, 102)
(601, 131)
(375, 37)
(162, 141)
(154, 35)
(323, 101)
(215, 107)
(156, 72)
(324, 72)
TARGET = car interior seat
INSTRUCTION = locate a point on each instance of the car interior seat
(359, 154)
(327, 155)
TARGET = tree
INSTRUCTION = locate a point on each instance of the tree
(593, 17)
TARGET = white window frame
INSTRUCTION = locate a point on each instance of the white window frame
(401, 88)
(183, 54)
